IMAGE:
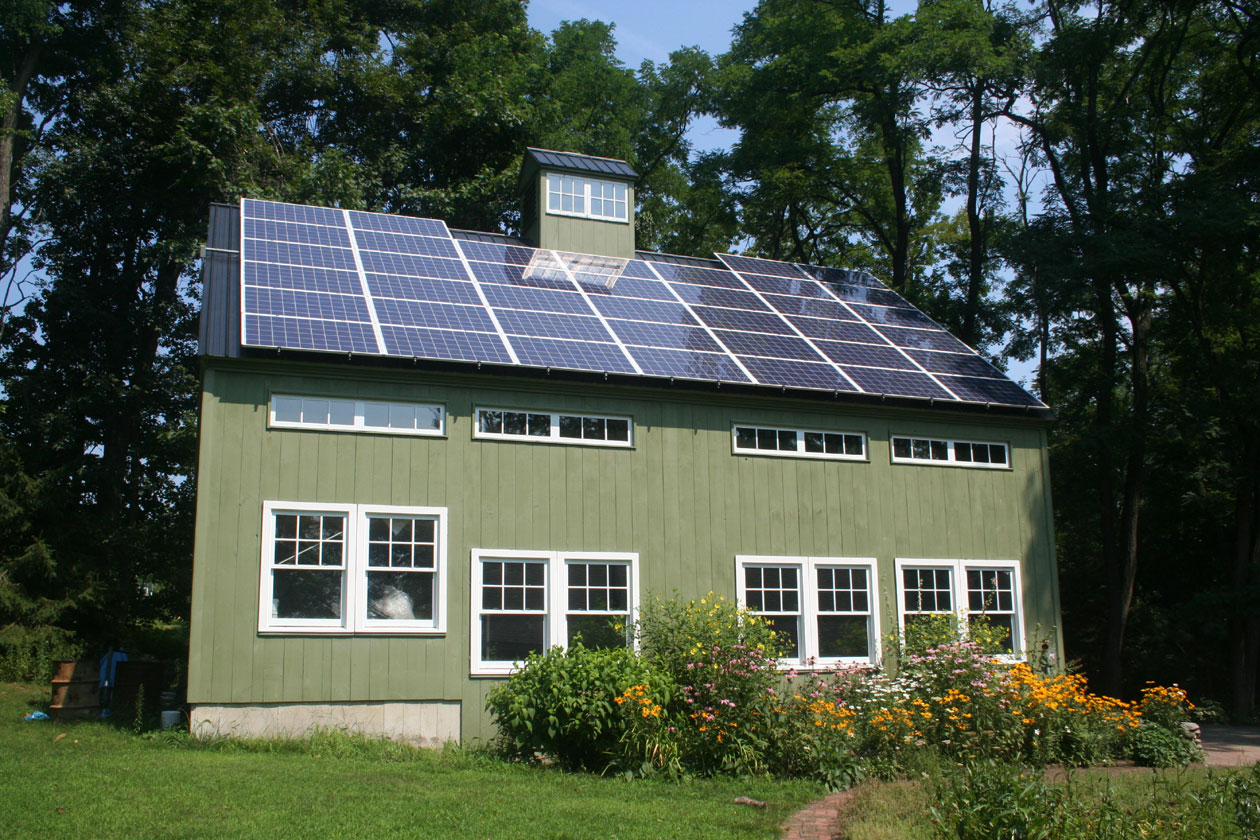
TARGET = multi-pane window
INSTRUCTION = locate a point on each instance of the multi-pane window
(926, 591)
(775, 593)
(799, 443)
(308, 563)
(402, 568)
(570, 195)
(991, 594)
(844, 612)
(599, 603)
(504, 424)
(961, 452)
(329, 568)
(344, 415)
(963, 589)
(821, 606)
(527, 602)
(513, 609)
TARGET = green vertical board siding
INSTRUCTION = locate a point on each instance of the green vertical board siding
(679, 498)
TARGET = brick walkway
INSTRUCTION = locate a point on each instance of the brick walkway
(818, 821)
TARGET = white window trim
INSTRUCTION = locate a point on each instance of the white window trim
(958, 579)
(800, 452)
(586, 183)
(809, 604)
(949, 443)
(555, 628)
(354, 613)
(554, 437)
(359, 415)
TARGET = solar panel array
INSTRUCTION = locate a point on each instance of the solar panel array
(346, 281)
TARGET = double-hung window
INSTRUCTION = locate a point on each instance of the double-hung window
(336, 568)
(966, 590)
(530, 601)
(822, 607)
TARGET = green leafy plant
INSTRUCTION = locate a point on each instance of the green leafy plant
(564, 704)
(1154, 745)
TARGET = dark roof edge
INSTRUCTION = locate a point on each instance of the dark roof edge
(1030, 412)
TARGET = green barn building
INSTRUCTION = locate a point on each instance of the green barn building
(427, 452)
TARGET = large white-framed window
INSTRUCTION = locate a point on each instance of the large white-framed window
(385, 417)
(527, 602)
(751, 439)
(955, 453)
(823, 607)
(588, 198)
(345, 568)
(966, 589)
(553, 427)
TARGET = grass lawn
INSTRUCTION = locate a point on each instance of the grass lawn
(99, 781)
(1159, 804)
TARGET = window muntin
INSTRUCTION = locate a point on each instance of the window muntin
(844, 612)
(991, 593)
(971, 453)
(343, 415)
(966, 589)
(590, 430)
(591, 198)
(824, 605)
(775, 593)
(798, 443)
(330, 568)
(529, 601)
(598, 603)
(308, 567)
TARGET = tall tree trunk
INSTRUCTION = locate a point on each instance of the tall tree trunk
(1244, 631)
(975, 229)
(8, 130)
(1125, 558)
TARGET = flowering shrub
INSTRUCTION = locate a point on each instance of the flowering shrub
(704, 695)
(567, 704)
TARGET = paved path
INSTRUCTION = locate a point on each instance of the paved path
(1230, 746)
(1223, 746)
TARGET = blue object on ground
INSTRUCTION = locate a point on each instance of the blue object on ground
(36, 716)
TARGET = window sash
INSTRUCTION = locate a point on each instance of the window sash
(906, 449)
(358, 577)
(836, 445)
(380, 417)
(492, 423)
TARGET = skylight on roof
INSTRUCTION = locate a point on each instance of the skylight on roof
(548, 266)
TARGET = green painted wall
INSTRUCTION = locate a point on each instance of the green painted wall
(679, 498)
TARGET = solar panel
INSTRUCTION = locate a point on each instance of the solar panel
(902, 382)
(870, 355)
(664, 335)
(444, 344)
(322, 279)
(688, 364)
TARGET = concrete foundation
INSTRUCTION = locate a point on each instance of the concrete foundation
(428, 723)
